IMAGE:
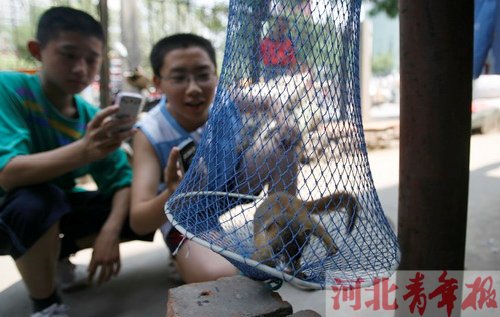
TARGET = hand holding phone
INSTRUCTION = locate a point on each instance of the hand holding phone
(130, 105)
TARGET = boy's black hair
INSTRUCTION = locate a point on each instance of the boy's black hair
(61, 19)
(176, 41)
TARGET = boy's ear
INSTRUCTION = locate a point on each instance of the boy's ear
(34, 49)
(157, 82)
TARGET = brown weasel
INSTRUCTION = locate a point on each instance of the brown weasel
(282, 226)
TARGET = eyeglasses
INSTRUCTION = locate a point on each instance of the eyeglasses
(182, 80)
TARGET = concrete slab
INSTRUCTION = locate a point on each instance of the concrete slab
(229, 296)
(140, 289)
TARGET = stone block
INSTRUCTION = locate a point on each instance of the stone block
(228, 297)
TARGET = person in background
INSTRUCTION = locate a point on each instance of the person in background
(277, 51)
(50, 137)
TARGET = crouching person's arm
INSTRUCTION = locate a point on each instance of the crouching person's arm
(106, 251)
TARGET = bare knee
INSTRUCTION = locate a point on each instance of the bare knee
(205, 273)
(199, 264)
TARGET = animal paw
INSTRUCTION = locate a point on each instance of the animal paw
(333, 250)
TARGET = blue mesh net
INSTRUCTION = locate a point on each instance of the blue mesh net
(287, 119)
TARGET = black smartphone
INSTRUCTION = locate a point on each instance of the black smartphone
(187, 148)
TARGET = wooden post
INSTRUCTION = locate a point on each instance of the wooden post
(104, 76)
(436, 80)
(436, 39)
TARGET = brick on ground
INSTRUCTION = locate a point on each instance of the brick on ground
(229, 296)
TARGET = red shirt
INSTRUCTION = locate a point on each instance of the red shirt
(277, 52)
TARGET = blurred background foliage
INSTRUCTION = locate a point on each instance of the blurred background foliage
(134, 26)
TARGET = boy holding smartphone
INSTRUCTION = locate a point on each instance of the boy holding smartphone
(185, 71)
(184, 68)
(51, 136)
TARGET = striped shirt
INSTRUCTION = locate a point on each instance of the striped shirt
(30, 123)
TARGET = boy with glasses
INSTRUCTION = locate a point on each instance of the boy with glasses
(184, 67)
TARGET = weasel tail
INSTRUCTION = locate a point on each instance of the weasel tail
(335, 202)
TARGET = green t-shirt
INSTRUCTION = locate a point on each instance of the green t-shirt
(29, 124)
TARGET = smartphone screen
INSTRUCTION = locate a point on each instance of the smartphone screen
(187, 150)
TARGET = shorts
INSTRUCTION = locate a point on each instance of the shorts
(174, 241)
(28, 212)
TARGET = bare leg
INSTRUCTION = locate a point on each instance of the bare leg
(196, 263)
(38, 265)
